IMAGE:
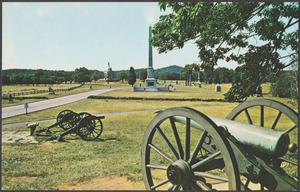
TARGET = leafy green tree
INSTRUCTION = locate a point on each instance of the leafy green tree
(132, 76)
(244, 32)
(81, 75)
(121, 76)
(95, 76)
(143, 75)
(187, 72)
(208, 76)
(282, 86)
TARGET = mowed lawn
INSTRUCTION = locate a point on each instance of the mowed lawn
(116, 152)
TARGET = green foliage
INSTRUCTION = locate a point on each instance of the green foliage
(221, 30)
(143, 75)
(121, 76)
(81, 75)
(245, 82)
(285, 86)
(95, 76)
(132, 76)
(169, 76)
(31, 76)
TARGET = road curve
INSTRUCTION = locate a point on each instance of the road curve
(16, 110)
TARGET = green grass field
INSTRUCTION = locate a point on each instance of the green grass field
(44, 165)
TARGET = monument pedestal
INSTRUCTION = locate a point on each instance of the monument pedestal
(151, 83)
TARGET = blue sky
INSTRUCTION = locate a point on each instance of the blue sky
(66, 36)
(69, 35)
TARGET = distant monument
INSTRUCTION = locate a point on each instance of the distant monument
(108, 74)
(150, 81)
(10, 98)
(51, 91)
(218, 88)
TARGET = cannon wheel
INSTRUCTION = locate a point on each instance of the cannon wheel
(68, 124)
(76, 119)
(164, 167)
(90, 128)
(262, 105)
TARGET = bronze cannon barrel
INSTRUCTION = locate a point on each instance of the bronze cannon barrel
(262, 139)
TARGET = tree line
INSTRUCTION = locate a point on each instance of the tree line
(284, 84)
(41, 76)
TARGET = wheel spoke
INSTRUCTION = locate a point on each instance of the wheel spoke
(163, 136)
(248, 116)
(206, 159)
(262, 119)
(187, 139)
(161, 153)
(160, 184)
(276, 120)
(177, 187)
(290, 129)
(176, 136)
(157, 166)
(203, 186)
(246, 184)
(198, 146)
(211, 176)
(289, 161)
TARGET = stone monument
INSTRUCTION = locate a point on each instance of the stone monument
(218, 88)
(150, 81)
(108, 74)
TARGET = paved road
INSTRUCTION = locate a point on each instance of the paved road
(16, 110)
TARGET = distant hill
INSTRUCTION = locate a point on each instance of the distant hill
(169, 69)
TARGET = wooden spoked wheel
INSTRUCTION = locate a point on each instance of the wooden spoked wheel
(177, 156)
(273, 115)
(76, 119)
(90, 128)
(66, 116)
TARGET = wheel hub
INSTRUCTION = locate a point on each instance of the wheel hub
(179, 173)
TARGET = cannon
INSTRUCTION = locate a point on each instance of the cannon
(184, 149)
(64, 120)
(86, 126)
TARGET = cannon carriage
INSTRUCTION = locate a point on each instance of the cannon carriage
(184, 149)
(86, 126)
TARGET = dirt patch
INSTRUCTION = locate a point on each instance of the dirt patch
(111, 183)
(20, 178)
(17, 136)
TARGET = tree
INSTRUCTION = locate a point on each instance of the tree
(132, 76)
(295, 81)
(282, 86)
(244, 32)
(95, 76)
(81, 75)
(143, 74)
(121, 76)
(187, 72)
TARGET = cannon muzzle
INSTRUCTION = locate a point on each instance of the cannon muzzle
(268, 141)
